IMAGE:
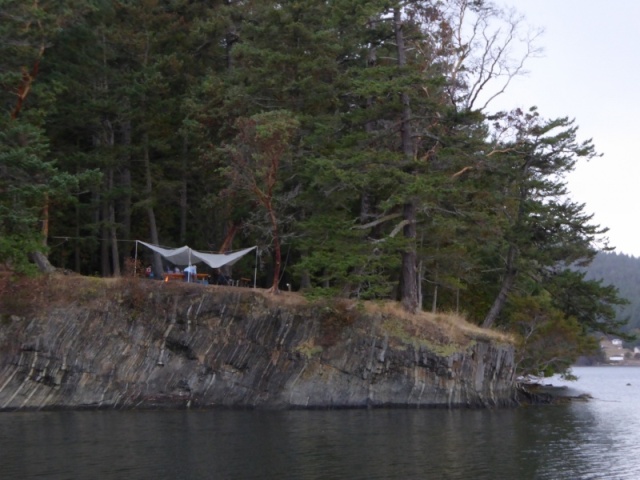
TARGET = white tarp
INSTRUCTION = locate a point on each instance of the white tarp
(184, 256)
(217, 260)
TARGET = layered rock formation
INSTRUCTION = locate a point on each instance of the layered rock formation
(94, 343)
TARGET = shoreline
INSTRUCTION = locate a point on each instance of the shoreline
(548, 394)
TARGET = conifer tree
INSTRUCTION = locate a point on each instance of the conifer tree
(545, 232)
(29, 179)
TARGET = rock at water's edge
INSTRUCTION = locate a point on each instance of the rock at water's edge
(148, 344)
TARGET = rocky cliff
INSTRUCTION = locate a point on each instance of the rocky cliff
(74, 342)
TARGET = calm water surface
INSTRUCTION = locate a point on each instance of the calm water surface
(595, 440)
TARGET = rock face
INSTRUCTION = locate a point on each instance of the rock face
(145, 344)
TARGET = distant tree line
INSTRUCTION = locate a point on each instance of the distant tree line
(352, 141)
(623, 272)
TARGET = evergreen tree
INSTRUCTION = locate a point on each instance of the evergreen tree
(544, 232)
(395, 185)
(29, 179)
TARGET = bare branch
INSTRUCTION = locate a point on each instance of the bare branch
(481, 48)
(398, 227)
(380, 220)
(395, 231)
(461, 172)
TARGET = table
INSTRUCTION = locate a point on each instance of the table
(180, 277)
(168, 277)
(202, 277)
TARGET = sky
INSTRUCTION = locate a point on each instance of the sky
(590, 71)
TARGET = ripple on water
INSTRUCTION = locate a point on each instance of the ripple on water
(592, 440)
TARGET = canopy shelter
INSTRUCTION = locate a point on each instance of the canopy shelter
(185, 256)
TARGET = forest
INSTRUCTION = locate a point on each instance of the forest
(353, 142)
(623, 272)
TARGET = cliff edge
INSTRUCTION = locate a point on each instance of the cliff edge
(78, 342)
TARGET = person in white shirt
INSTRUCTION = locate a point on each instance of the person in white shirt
(191, 273)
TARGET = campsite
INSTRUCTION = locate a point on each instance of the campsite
(181, 265)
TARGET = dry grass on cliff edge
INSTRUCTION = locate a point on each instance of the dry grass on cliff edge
(447, 325)
(23, 296)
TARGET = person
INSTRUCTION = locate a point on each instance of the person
(221, 278)
(191, 273)
(148, 272)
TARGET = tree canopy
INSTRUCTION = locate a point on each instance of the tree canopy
(352, 141)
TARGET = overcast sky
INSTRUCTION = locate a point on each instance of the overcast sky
(590, 71)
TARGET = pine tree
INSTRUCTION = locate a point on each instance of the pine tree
(544, 233)
(30, 180)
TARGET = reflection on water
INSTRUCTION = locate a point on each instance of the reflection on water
(591, 440)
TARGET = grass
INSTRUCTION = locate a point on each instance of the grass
(441, 332)
(452, 326)
(309, 349)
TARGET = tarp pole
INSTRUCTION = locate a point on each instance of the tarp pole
(135, 261)
(255, 270)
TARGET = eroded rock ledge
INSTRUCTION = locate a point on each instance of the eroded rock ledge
(93, 343)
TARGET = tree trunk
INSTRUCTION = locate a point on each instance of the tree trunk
(125, 179)
(409, 292)
(507, 283)
(76, 250)
(125, 203)
(153, 228)
(45, 219)
(113, 234)
(434, 303)
(409, 282)
(39, 258)
(405, 126)
(420, 279)
(42, 262)
(275, 288)
(105, 264)
(113, 240)
(305, 280)
(365, 215)
(511, 271)
(96, 199)
(184, 205)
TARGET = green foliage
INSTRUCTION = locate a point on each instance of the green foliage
(164, 117)
(589, 301)
(29, 177)
(623, 272)
(550, 341)
(544, 233)
(13, 248)
(28, 181)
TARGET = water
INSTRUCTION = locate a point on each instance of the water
(595, 440)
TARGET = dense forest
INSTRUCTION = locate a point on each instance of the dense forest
(623, 272)
(352, 141)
